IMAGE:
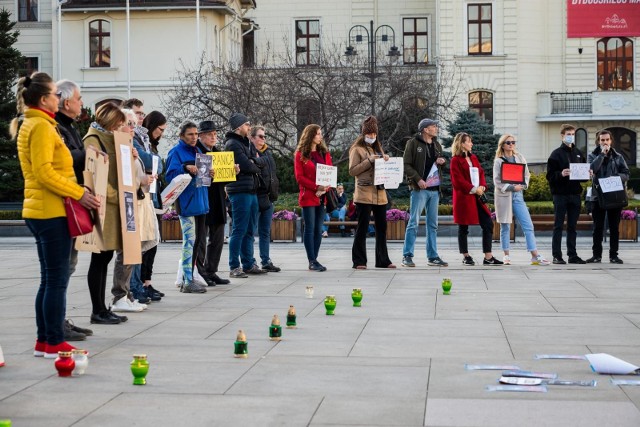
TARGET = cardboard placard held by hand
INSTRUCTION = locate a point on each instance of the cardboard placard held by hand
(127, 189)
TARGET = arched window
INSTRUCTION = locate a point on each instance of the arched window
(625, 142)
(481, 102)
(615, 63)
(581, 141)
(99, 43)
(105, 101)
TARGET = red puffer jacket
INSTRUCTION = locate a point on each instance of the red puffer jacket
(305, 173)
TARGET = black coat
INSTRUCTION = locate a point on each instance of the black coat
(269, 175)
(559, 160)
(217, 208)
(244, 154)
(607, 166)
(73, 141)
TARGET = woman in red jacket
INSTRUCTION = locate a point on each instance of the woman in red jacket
(311, 151)
(469, 207)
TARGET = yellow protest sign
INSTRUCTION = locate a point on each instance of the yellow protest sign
(223, 165)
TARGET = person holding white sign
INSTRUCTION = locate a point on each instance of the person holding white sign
(606, 162)
(368, 197)
(566, 195)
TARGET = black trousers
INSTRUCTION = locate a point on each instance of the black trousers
(97, 280)
(565, 205)
(214, 250)
(486, 223)
(146, 268)
(359, 250)
(613, 216)
(200, 243)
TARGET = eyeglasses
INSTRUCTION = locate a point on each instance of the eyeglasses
(141, 114)
(261, 136)
(509, 143)
(57, 94)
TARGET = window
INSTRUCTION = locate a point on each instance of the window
(100, 43)
(581, 141)
(31, 64)
(27, 10)
(482, 103)
(615, 63)
(415, 40)
(307, 42)
(479, 29)
(625, 142)
(248, 50)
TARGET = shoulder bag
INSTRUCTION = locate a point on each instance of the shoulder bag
(79, 218)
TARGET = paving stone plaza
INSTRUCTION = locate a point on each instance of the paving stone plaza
(399, 360)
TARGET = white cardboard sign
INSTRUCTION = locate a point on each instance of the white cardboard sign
(326, 175)
(613, 183)
(389, 173)
(579, 171)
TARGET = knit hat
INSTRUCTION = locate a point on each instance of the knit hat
(370, 125)
(425, 123)
(236, 120)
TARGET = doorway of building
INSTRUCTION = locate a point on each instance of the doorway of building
(625, 141)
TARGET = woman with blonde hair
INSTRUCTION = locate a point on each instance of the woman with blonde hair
(311, 150)
(47, 167)
(509, 200)
(469, 205)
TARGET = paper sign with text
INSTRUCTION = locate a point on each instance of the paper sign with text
(326, 175)
(579, 171)
(613, 183)
(223, 165)
(389, 173)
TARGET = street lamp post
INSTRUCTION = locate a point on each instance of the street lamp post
(372, 39)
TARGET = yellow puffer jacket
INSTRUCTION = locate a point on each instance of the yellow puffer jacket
(47, 167)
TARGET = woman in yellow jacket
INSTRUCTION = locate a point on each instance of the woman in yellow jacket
(47, 167)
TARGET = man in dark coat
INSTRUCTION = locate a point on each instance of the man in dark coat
(217, 216)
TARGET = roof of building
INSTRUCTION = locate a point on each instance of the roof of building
(143, 4)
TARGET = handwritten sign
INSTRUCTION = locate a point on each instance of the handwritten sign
(389, 173)
(224, 166)
(326, 175)
(613, 183)
(579, 171)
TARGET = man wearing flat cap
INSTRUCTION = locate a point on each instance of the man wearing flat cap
(217, 215)
(423, 166)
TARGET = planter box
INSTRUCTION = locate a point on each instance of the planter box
(170, 231)
(396, 230)
(628, 229)
(283, 231)
(496, 232)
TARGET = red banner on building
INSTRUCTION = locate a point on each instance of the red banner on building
(603, 18)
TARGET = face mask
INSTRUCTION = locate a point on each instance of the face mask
(369, 140)
(569, 139)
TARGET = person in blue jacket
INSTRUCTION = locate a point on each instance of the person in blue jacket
(192, 205)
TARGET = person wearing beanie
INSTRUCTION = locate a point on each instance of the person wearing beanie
(368, 197)
(423, 163)
(243, 197)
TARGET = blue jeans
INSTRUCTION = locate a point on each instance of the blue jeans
(521, 213)
(263, 230)
(244, 208)
(136, 286)
(421, 199)
(54, 249)
(313, 218)
(339, 214)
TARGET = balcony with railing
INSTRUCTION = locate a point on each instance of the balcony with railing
(138, 4)
(588, 106)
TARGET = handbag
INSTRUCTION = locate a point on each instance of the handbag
(79, 218)
(611, 199)
(331, 197)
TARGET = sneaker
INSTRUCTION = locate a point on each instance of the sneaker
(594, 260)
(316, 266)
(151, 289)
(38, 350)
(407, 261)
(539, 260)
(616, 260)
(137, 303)
(105, 318)
(238, 273)
(87, 332)
(468, 260)
(559, 260)
(325, 234)
(492, 261)
(254, 270)
(576, 260)
(192, 288)
(271, 268)
(124, 305)
(70, 334)
(51, 351)
(142, 299)
(437, 262)
(153, 296)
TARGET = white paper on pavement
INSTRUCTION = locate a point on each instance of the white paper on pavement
(613, 183)
(604, 363)
(389, 173)
(154, 172)
(326, 175)
(579, 171)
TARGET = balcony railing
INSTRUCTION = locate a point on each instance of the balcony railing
(571, 103)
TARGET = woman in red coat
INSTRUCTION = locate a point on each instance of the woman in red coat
(311, 151)
(469, 186)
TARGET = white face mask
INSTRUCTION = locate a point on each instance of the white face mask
(569, 139)
(369, 140)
